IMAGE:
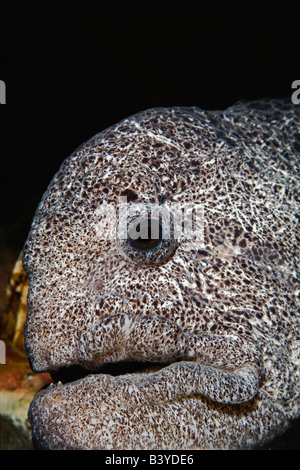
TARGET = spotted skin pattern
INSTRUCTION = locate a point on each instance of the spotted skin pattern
(218, 316)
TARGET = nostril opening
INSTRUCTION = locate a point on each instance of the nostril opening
(146, 235)
(129, 194)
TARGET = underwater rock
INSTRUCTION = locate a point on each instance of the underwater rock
(14, 315)
(18, 383)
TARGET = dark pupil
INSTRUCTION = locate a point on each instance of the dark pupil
(146, 235)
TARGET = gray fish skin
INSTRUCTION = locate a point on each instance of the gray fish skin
(216, 307)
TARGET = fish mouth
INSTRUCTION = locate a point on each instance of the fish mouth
(72, 373)
(121, 345)
(131, 405)
(131, 392)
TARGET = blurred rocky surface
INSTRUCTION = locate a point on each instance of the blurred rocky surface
(15, 307)
(18, 383)
(13, 437)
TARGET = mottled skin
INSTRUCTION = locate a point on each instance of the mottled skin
(220, 315)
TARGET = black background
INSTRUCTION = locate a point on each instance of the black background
(72, 68)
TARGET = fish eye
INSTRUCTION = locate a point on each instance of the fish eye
(145, 235)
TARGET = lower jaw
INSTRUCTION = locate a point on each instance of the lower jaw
(54, 414)
(111, 409)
